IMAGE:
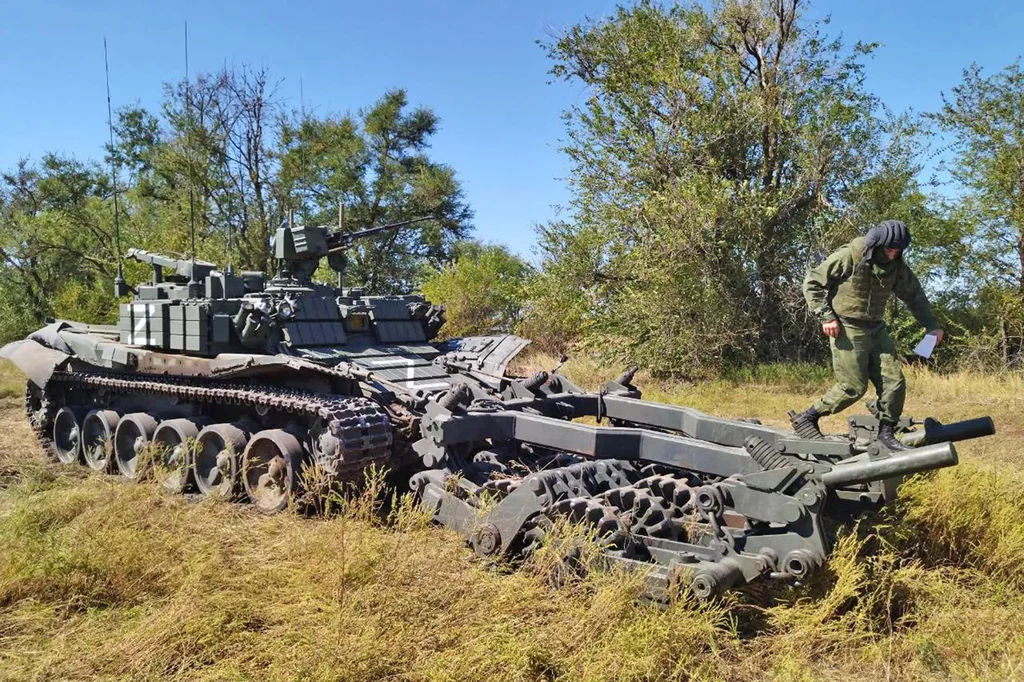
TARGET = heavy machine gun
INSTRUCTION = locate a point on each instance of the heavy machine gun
(298, 249)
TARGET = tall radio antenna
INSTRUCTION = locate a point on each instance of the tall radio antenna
(231, 256)
(119, 283)
(302, 146)
(188, 158)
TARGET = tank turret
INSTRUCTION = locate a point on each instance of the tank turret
(192, 306)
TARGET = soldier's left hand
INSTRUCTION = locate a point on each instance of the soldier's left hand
(938, 335)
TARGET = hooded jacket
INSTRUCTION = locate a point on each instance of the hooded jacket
(838, 288)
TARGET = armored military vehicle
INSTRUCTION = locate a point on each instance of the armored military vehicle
(264, 390)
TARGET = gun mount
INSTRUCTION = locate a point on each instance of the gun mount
(298, 249)
(270, 380)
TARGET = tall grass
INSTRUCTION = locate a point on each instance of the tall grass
(969, 516)
(101, 580)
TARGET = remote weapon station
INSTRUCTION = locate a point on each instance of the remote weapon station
(236, 386)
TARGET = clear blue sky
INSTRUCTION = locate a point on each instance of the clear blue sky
(474, 62)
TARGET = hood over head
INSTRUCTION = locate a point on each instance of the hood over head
(889, 234)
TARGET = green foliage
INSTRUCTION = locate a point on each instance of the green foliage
(812, 377)
(56, 242)
(722, 151)
(719, 153)
(984, 117)
(483, 289)
(376, 163)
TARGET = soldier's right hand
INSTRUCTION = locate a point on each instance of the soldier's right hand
(831, 329)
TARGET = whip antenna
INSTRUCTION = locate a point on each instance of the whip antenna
(120, 289)
(231, 251)
(302, 147)
(341, 230)
(188, 158)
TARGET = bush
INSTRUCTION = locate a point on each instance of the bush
(483, 289)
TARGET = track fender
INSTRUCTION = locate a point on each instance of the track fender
(34, 359)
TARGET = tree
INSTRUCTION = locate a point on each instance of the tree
(716, 156)
(483, 289)
(56, 244)
(213, 141)
(984, 117)
(378, 166)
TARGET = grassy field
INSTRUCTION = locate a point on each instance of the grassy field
(104, 580)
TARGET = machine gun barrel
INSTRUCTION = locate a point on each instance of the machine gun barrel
(934, 432)
(903, 464)
(343, 241)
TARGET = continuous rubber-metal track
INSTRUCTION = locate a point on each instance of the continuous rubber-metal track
(360, 425)
(40, 419)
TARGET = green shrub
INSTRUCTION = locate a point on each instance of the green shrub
(483, 289)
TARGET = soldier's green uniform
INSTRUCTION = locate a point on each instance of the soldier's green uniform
(864, 350)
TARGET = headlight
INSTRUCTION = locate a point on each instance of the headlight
(285, 310)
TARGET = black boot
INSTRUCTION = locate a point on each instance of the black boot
(887, 438)
(806, 424)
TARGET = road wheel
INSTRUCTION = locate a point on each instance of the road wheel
(98, 440)
(270, 468)
(132, 441)
(173, 443)
(67, 434)
(217, 459)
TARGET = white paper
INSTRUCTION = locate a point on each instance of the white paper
(926, 346)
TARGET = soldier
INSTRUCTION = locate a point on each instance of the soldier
(848, 293)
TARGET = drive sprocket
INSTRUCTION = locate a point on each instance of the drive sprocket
(40, 409)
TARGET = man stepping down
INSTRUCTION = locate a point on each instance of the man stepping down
(848, 293)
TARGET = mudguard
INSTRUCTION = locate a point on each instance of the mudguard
(34, 359)
(487, 357)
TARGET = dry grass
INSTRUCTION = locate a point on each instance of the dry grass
(102, 580)
(949, 398)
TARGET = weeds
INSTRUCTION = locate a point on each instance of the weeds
(968, 516)
(100, 580)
